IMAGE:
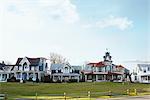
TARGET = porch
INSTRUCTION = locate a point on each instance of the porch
(103, 77)
(64, 77)
(145, 79)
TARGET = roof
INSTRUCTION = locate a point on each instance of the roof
(5, 67)
(143, 65)
(18, 61)
(77, 67)
(56, 66)
(119, 66)
(33, 61)
(1, 66)
(60, 66)
(99, 64)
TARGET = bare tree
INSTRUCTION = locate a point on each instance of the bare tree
(57, 58)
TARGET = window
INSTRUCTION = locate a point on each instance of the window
(76, 71)
(89, 77)
(18, 75)
(100, 77)
(144, 78)
(66, 70)
(30, 67)
(41, 68)
(46, 66)
(99, 69)
(144, 70)
(59, 71)
(108, 68)
(148, 69)
(135, 78)
(53, 71)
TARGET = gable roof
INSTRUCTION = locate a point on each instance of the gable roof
(5, 67)
(18, 61)
(33, 61)
(1, 66)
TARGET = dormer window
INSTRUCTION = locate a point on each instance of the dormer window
(148, 69)
(66, 70)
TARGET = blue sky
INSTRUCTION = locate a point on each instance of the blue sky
(80, 30)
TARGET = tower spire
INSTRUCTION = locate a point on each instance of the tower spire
(106, 49)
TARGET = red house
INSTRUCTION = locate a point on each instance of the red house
(104, 71)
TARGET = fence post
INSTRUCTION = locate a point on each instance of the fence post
(36, 96)
(127, 91)
(109, 93)
(65, 95)
(135, 91)
(89, 94)
(5, 97)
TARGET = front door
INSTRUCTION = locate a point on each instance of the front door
(24, 76)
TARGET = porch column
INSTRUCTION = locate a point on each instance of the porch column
(21, 76)
(15, 75)
(7, 76)
(61, 78)
(78, 78)
(96, 78)
(121, 78)
(112, 77)
(53, 77)
(85, 77)
(39, 76)
(27, 76)
(104, 77)
(0, 77)
(69, 76)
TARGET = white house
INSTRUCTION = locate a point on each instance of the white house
(104, 71)
(64, 72)
(141, 73)
(30, 68)
(5, 71)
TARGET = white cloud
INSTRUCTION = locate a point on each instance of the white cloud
(121, 23)
(87, 25)
(56, 9)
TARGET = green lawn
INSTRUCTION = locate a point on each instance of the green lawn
(29, 89)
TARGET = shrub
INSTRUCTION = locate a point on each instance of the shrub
(72, 80)
(12, 79)
(46, 79)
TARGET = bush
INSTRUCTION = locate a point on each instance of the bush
(81, 80)
(72, 80)
(37, 80)
(57, 81)
(47, 79)
(12, 79)
(30, 79)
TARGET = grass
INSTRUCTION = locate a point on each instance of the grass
(15, 90)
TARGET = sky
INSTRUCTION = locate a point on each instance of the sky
(79, 30)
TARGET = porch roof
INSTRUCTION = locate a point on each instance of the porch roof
(103, 73)
(66, 74)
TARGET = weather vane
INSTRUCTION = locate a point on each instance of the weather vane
(106, 49)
